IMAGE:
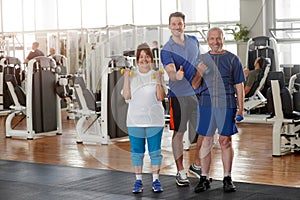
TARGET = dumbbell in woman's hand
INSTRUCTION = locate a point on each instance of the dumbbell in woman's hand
(161, 71)
(131, 73)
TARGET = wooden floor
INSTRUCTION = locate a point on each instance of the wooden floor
(253, 161)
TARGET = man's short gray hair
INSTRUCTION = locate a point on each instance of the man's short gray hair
(216, 29)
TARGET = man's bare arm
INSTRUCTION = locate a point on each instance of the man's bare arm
(198, 78)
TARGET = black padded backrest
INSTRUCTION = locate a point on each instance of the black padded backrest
(296, 101)
(286, 102)
(79, 80)
(273, 75)
(278, 75)
(20, 93)
(89, 98)
(286, 97)
(253, 89)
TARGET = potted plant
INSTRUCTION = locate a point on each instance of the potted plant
(240, 33)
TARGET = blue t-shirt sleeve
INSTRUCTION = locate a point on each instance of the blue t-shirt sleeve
(239, 76)
(166, 57)
(194, 38)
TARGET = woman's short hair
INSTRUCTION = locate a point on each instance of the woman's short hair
(143, 47)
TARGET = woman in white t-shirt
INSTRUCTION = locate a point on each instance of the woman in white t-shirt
(144, 91)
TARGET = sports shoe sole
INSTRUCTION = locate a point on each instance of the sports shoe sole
(137, 192)
(182, 184)
(157, 191)
(229, 190)
(202, 189)
(194, 173)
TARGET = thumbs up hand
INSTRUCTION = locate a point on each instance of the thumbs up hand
(180, 73)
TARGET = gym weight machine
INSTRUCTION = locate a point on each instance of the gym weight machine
(40, 105)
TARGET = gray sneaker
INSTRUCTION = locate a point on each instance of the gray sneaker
(195, 171)
(181, 179)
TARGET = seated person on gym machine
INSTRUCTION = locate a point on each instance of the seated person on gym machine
(253, 75)
(34, 53)
(51, 52)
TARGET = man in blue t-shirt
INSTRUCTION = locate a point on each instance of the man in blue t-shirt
(178, 57)
(220, 78)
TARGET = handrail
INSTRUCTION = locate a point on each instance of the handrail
(287, 32)
(196, 31)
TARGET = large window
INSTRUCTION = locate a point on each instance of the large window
(228, 10)
(167, 7)
(146, 12)
(195, 11)
(38, 18)
(12, 15)
(288, 19)
(46, 15)
(28, 15)
(119, 12)
(287, 9)
(32, 15)
(69, 14)
(93, 13)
